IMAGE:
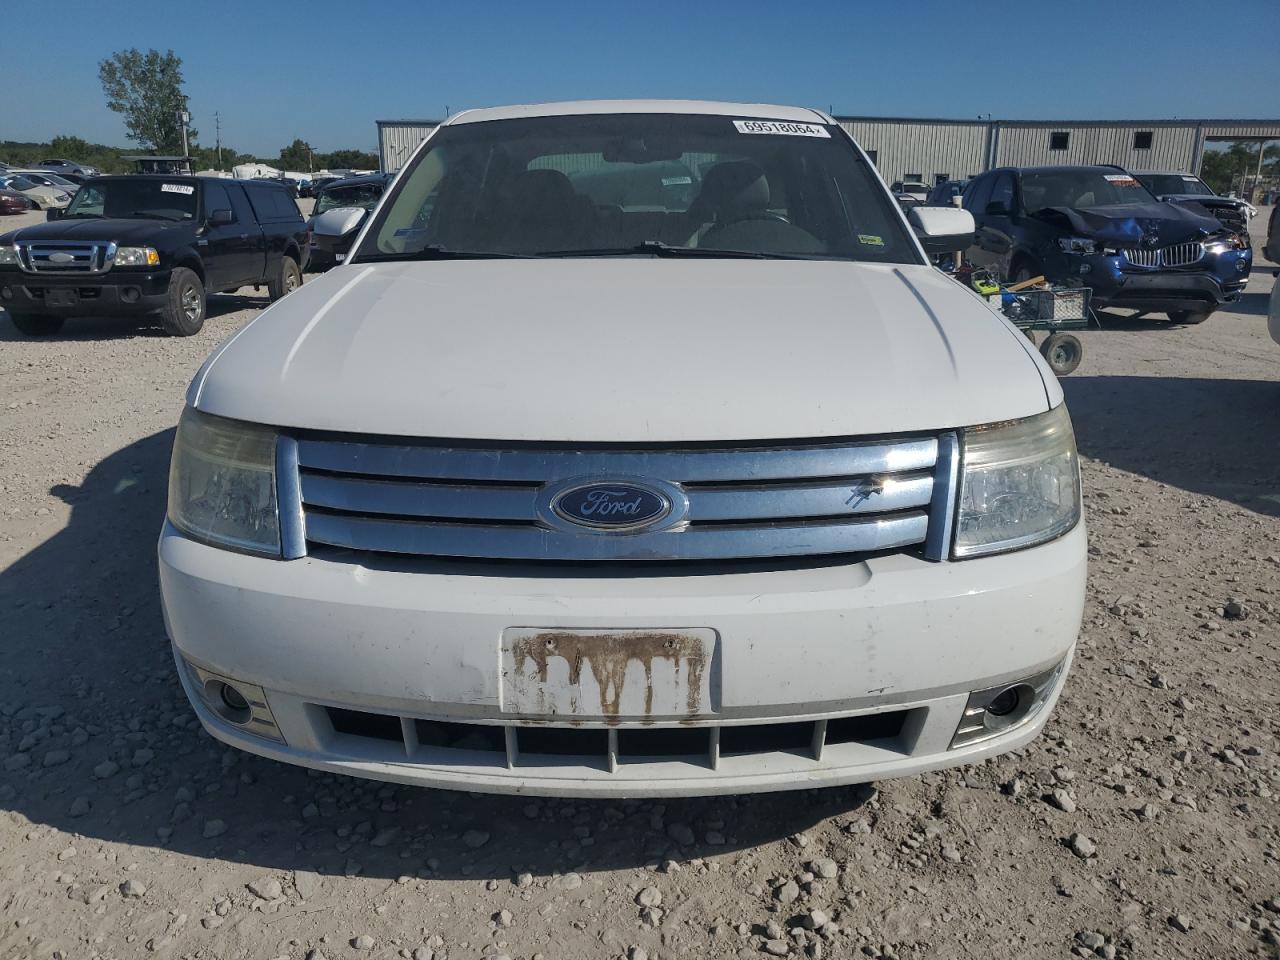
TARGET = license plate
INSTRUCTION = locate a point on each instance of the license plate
(56, 297)
(609, 674)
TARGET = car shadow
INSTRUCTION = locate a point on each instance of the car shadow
(126, 328)
(89, 672)
(1213, 437)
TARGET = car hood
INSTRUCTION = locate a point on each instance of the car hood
(121, 231)
(1135, 224)
(627, 350)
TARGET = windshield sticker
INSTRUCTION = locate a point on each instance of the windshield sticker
(410, 232)
(778, 126)
(870, 240)
(676, 181)
(1190, 179)
(184, 188)
(1120, 179)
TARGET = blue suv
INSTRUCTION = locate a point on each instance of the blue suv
(1098, 227)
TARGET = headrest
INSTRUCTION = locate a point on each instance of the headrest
(735, 187)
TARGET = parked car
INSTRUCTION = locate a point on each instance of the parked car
(41, 197)
(1272, 249)
(313, 186)
(1098, 227)
(45, 179)
(919, 192)
(340, 211)
(11, 201)
(141, 245)
(503, 506)
(58, 165)
(944, 194)
(287, 182)
(1233, 212)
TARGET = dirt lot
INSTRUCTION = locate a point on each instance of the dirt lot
(1144, 823)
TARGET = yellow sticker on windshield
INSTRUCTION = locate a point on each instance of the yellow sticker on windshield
(870, 240)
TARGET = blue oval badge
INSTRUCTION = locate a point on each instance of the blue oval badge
(611, 506)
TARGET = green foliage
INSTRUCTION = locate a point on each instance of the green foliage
(146, 89)
(296, 156)
(348, 160)
(105, 158)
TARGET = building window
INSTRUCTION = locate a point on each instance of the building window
(912, 178)
(1142, 140)
(871, 155)
(1059, 139)
(941, 177)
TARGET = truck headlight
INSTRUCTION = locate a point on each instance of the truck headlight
(137, 257)
(1020, 484)
(222, 484)
(8, 255)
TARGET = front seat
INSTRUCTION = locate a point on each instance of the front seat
(546, 214)
(731, 191)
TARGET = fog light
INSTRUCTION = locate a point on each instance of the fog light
(998, 710)
(244, 705)
(130, 294)
(6, 293)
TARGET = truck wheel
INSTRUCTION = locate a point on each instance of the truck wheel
(287, 279)
(1062, 352)
(1190, 317)
(183, 313)
(34, 325)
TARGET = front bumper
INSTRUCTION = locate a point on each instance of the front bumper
(1217, 280)
(113, 293)
(893, 639)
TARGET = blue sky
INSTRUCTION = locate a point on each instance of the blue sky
(324, 71)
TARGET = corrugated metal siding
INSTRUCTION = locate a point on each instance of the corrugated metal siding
(1172, 148)
(397, 139)
(929, 149)
(1268, 131)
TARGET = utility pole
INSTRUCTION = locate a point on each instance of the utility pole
(217, 126)
(184, 118)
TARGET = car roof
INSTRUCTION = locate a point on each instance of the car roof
(356, 181)
(1063, 168)
(567, 108)
(1162, 173)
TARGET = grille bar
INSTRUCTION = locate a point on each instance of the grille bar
(746, 541)
(686, 466)
(1177, 255)
(65, 257)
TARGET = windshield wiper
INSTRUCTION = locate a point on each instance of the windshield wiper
(147, 215)
(87, 216)
(658, 248)
(436, 252)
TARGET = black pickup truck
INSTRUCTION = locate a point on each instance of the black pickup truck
(140, 245)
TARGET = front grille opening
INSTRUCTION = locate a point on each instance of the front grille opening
(872, 726)
(562, 742)
(460, 736)
(663, 743)
(357, 723)
(767, 738)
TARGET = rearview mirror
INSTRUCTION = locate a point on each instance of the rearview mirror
(53, 213)
(997, 208)
(942, 229)
(220, 218)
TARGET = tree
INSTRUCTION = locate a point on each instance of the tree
(69, 147)
(296, 156)
(351, 160)
(146, 89)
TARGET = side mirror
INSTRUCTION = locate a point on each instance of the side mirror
(997, 208)
(220, 218)
(942, 229)
(53, 213)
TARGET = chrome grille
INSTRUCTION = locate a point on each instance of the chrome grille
(65, 256)
(742, 502)
(1177, 255)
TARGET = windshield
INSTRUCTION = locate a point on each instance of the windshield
(684, 185)
(135, 199)
(1170, 184)
(18, 183)
(60, 181)
(1080, 188)
(363, 195)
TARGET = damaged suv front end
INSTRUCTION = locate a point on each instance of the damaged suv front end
(1098, 227)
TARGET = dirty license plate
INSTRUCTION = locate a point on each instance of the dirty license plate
(60, 297)
(609, 674)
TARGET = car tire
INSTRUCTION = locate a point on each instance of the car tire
(1062, 352)
(1190, 317)
(1023, 270)
(288, 278)
(37, 325)
(183, 313)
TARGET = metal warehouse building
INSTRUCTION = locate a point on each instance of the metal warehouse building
(906, 148)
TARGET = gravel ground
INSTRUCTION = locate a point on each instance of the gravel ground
(1143, 823)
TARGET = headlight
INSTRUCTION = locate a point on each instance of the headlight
(222, 486)
(136, 257)
(62, 197)
(1020, 484)
(8, 255)
(1077, 245)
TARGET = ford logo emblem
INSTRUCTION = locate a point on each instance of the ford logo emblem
(611, 506)
(61, 258)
